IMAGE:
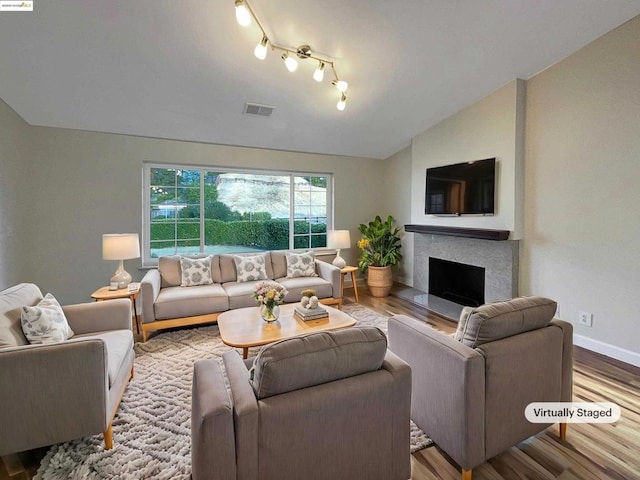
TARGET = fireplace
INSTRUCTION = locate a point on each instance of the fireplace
(496, 256)
(457, 282)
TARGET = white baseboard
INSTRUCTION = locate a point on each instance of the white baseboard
(626, 356)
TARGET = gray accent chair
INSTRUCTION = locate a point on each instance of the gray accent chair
(328, 405)
(470, 390)
(52, 393)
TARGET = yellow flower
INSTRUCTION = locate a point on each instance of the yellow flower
(270, 295)
(363, 243)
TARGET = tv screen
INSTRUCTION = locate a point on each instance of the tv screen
(461, 189)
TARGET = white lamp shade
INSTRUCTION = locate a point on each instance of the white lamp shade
(338, 239)
(120, 246)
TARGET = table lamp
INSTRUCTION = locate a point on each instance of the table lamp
(120, 246)
(338, 239)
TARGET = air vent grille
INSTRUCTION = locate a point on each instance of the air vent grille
(257, 109)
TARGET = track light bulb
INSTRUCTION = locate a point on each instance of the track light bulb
(341, 85)
(289, 62)
(318, 75)
(342, 102)
(261, 48)
(242, 13)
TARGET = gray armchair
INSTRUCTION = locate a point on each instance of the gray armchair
(324, 405)
(470, 391)
(54, 393)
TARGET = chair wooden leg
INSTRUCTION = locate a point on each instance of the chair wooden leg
(562, 427)
(466, 474)
(108, 438)
(13, 466)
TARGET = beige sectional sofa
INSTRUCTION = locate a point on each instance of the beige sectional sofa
(166, 304)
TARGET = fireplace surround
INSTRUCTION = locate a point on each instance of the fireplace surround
(498, 257)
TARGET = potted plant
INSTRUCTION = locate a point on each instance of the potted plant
(380, 250)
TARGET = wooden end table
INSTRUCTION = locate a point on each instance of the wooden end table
(352, 270)
(244, 328)
(103, 293)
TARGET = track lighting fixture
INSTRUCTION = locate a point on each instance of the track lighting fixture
(261, 48)
(342, 102)
(318, 75)
(244, 16)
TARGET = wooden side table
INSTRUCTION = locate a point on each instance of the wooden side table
(103, 293)
(352, 270)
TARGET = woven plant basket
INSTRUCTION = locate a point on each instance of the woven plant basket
(379, 280)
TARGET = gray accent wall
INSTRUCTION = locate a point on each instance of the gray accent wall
(15, 194)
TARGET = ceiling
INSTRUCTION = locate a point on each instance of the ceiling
(184, 69)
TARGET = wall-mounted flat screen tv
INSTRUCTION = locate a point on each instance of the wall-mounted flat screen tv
(462, 189)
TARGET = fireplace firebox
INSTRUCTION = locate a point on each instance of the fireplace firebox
(456, 282)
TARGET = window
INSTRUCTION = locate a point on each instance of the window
(200, 210)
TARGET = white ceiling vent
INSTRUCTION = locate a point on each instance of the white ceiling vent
(257, 109)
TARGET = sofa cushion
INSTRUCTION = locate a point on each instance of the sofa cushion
(240, 294)
(316, 358)
(295, 286)
(196, 271)
(228, 272)
(175, 302)
(301, 265)
(45, 322)
(11, 302)
(250, 268)
(117, 342)
(504, 319)
(279, 263)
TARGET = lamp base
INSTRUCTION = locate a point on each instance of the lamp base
(339, 261)
(121, 276)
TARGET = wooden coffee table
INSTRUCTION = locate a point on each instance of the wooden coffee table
(244, 328)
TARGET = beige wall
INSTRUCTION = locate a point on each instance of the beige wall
(397, 178)
(492, 127)
(582, 234)
(84, 184)
(14, 192)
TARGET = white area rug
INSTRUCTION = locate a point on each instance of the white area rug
(152, 429)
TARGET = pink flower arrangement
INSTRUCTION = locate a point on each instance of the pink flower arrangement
(269, 293)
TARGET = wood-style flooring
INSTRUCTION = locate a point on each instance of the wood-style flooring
(591, 451)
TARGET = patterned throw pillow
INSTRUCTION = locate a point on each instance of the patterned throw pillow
(301, 265)
(45, 323)
(196, 271)
(250, 268)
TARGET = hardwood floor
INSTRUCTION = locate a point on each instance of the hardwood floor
(591, 451)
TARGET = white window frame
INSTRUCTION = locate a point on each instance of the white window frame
(148, 261)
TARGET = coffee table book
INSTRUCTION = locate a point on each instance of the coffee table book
(306, 314)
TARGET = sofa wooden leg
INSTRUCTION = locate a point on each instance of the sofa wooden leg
(108, 438)
(466, 474)
(562, 427)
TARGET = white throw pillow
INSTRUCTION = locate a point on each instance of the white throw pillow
(45, 323)
(196, 271)
(301, 265)
(250, 268)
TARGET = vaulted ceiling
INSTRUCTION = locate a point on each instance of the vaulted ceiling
(184, 69)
